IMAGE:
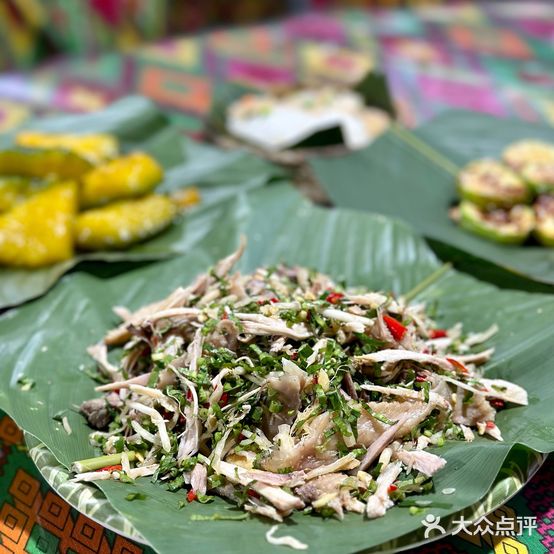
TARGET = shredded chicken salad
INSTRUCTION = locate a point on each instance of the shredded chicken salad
(281, 390)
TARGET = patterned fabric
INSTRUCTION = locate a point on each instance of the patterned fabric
(34, 519)
(496, 58)
(33, 30)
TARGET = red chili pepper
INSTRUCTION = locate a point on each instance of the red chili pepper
(490, 425)
(334, 297)
(420, 378)
(274, 300)
(497, 403)
(392, 488)
(459, 366)
(189, 394)
(224, 399)
(252, 493)
(294, 356)
(191, 496)
(225, 316)
(396, 328)
(116, 467)
(261, 302)
(437, 334)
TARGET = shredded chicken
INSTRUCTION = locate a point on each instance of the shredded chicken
(280, 389)
(379, 502)
(423, 461)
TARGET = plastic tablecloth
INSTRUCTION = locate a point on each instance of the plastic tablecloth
(496, 58)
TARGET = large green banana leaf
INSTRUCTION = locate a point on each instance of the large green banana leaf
(412, 175)
(45, 341)
(140, 125)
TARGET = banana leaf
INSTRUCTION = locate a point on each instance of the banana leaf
(138, 124)
(412, 176)
(373, 88)
(45, 341)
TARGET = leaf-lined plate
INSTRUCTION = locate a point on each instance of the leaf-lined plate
(139, 125)
(46, 341)
(412, 175)
(519, 467)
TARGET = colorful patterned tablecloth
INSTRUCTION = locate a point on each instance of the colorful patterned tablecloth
(496, 58)
(492, 57)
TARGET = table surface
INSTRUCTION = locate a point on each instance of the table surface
(495, 58)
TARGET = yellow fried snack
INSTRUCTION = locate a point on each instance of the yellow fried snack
(123, 223)
(95, 148)
(128, 177)
(39, 232)
(27, 162)
(185, 198)
(13, 190)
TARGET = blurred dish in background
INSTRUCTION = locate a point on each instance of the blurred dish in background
(497, 198)
(51, 181)
(276, 123)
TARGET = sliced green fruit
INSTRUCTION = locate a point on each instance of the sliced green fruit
(39, 232)
(488, 183)
(28, 162)
(123, 223)
(540, 175)
(544, 213)
(128, 177)
(95, 148)
(508, 226)
(519, 154)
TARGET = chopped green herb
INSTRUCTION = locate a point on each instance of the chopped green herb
(26, 383)
(135, 496)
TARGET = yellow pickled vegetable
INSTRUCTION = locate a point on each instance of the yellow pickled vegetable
(187, 197)
(43, 163)
(123, 223)
(39, 232)
(95, 148)
(128, 177)
(13, 190)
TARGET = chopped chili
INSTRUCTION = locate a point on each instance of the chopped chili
(459, 366)
(396, 328)
(334, 297)
(437, 334)
(116, 467)
(392, 488)
(252, 493)
(497, 403)
(191, 496)
(490, 425)
(274, 300)
(420, 378)
(224, 399)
